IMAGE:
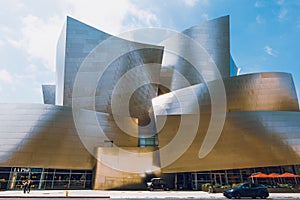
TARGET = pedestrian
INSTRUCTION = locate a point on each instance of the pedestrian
(28, 185)
(25, 186)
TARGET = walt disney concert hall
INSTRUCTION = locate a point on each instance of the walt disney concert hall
(123, 112)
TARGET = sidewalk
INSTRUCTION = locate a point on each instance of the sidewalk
(112, 194)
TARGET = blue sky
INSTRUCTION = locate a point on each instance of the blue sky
(265, 34)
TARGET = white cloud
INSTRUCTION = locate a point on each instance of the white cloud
(258, 4)
(109, 17)
(5, 76)
(259, 19)
(39, 35)
(39, 38)
(14, 43)
(280, 2)
(6, 30)
(270, 51)
(192, 3)
(282, 14)
(205, 16)
(143, 16)
(17, 6)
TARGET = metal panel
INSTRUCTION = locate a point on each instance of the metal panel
(250, 92)
(82, 44)
(76, 41)
(49, 94)
(261, 91)
(249, 139)
(266, 133)
(60, 66)
(33, 135)
(213, 37)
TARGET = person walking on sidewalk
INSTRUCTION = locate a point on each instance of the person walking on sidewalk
(28, 185)
(25, 186)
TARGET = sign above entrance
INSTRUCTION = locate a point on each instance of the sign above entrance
(21, 169)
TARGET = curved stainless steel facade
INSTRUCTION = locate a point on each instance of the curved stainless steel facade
(262, 113)
(82, 48)
(34, 135)
(76, 41)
(249, 139)
(260, 127)
(213, 36)
(250, 92)
(261, 91)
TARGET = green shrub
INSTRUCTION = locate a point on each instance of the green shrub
(226, 186)
(285, 186)
(206, 185)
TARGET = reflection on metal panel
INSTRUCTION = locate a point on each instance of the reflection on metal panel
(261, 91)
(49, 94)
(82, 44)
(249, 139)
(233, 68)
(76, 41)
(213, 36)
(135, 67)
(60, 66)
(261, 128)
(36, 135)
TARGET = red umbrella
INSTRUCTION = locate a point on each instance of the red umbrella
(259, 175)
(289, 175)
(273, 175)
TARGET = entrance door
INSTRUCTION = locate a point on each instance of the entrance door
(18, 176)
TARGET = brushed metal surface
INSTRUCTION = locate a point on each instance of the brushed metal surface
(49, 94)
(213, 36)
(37, 135)
(261, 127)
(250, 92)
(76, 41)
(81, 48)
(249, 139)
(261, 91)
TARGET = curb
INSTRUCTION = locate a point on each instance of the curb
(55, 197)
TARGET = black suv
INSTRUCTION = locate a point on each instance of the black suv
(247, 190)
(157, 184)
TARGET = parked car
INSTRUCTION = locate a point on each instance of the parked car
(157, 184)
(247, 190)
